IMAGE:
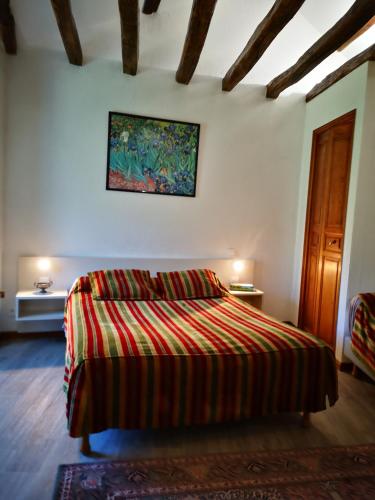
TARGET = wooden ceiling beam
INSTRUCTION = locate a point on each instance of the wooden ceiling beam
(7, 28)
(345, 69)
(150, 6)
(68, 31)
(357, 16)
(359, 33)
(199, 23)
(276, 19)
(129, 15)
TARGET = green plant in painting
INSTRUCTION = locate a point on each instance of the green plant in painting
(152, 155)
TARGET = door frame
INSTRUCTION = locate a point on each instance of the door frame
(347, 117)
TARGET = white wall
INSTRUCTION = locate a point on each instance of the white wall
(56, 202)
(346, 95)
(362, 262)
(2, 137)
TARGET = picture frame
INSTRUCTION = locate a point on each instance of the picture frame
(152, 155)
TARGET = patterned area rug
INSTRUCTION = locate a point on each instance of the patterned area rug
(320, 473)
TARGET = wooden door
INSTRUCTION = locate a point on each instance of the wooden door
(325, 225)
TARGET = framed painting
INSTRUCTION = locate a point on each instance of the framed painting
(152, 155)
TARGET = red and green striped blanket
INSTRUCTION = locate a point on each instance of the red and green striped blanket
(362, 323)
(141, 364)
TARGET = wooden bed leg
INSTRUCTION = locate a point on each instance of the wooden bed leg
(306, 420)
(85, 445)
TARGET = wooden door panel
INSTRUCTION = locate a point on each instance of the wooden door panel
(328, 299)
(318, 188)
(325, 222)
(314, 241)
(308, 320)
(339, 173)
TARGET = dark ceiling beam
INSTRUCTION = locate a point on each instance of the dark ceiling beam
(68, 30)
(276, 19)
(150, 6)
(357, 16)
(345, 69)
(359, 33)
(129, 15)
(7, 28)
(199, 23)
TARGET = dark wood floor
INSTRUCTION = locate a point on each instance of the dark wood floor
(34, 440)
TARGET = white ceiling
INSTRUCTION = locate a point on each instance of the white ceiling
(162, 35)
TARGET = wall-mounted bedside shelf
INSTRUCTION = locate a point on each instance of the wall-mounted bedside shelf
(253, 298)
(35, 306)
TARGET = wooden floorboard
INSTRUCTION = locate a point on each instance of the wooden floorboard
(34, 440)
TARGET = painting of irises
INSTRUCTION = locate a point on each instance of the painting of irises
(151, 155)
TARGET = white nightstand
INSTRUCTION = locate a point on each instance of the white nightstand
(32, 305)
(253, 298)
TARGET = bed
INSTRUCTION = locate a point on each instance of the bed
(359, 347)
(170, 363)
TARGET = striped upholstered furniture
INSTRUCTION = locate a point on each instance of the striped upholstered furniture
(136, 364)
(362, 329)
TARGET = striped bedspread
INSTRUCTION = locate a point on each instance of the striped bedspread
(152, 364)
(362, 326)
